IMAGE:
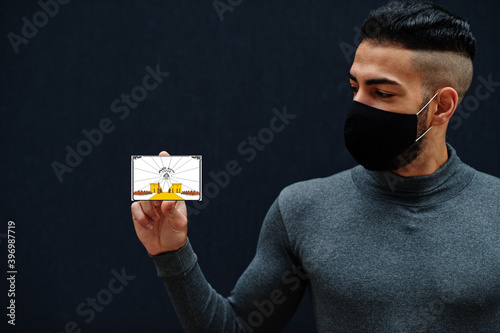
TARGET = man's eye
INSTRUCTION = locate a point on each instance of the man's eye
(354, 89)
(383, 95)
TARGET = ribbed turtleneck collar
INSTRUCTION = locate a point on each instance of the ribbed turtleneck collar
(440, 186)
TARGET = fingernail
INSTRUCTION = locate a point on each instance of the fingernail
(149, 226)
(156, 203)
(155, 218)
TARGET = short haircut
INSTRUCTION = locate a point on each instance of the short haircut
(443, 42)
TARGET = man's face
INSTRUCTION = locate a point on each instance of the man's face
(382, 76)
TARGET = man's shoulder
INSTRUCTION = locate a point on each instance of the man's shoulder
(483, 189)
(486, 183)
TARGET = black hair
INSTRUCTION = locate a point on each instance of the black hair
(417, 25)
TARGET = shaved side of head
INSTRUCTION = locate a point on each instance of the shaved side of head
(440, 69)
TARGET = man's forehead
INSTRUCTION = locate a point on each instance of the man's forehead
(373, 61)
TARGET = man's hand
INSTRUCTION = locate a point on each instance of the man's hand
(160, 225)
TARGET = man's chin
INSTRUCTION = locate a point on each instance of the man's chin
(402, 160)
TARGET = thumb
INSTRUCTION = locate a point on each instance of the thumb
(177, 220)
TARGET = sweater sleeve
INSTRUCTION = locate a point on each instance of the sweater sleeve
(264, 298)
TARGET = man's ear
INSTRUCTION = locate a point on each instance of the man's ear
(447, 102)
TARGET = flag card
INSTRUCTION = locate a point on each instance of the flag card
(166, 177)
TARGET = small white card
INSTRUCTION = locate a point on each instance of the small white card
(166, 177)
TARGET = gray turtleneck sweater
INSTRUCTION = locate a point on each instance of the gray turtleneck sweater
(379, 253)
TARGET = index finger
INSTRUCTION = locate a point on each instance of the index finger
(158, 203)
(162, 153)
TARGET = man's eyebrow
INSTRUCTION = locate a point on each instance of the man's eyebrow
(371, 82)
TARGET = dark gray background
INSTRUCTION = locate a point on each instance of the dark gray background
(225, 79)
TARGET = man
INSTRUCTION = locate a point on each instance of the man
(406, 242)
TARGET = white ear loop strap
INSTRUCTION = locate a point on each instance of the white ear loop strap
(420, 137)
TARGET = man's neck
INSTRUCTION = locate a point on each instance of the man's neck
(433, 157)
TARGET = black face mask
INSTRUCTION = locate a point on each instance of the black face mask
(376, 137)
